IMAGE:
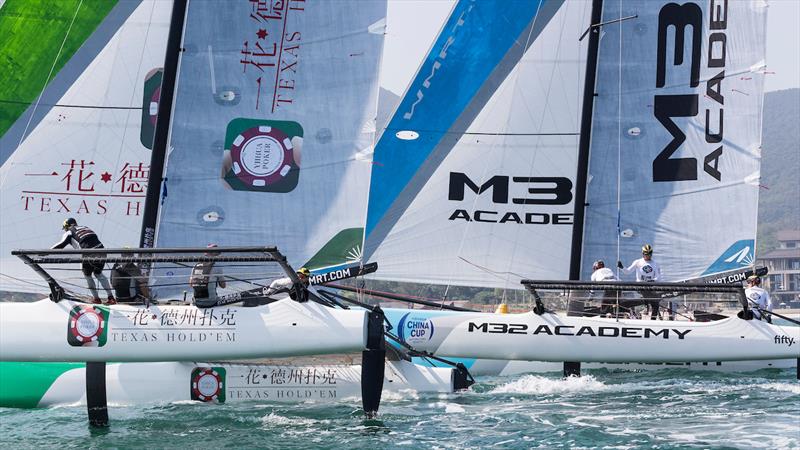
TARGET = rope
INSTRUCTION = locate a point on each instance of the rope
(619, 141)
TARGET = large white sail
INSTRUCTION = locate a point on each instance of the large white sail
(473, 177)
(274, 112)
(676, 135)
(81, 149)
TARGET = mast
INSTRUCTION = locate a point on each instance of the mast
(585, 139)
(161, 138)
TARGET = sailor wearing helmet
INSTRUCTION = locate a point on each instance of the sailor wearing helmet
(84, 237)
(647, 271)
(284, 285)
(759, 298)
(204, 280)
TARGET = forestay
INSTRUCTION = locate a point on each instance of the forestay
(274, 111)
(82, 148)
(473, 178)
(676, 135)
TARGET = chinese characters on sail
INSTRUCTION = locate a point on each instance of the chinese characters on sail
(270, 51)
(83, 187)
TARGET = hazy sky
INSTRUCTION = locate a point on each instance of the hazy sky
(413, 24)
(783, 45)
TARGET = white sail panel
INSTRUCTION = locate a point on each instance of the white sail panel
(676, 135)
(273, 127)
(484, 195)
(82, 150)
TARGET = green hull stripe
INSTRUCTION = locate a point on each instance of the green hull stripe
(23, 384)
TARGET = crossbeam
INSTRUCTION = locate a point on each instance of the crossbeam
(631, 286)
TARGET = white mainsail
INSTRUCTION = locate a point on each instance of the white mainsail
(473, 177)
(82, 148)
(676, 135)
(273, 126)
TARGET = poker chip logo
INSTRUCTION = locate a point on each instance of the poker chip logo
(262, 155)
(208, 384)
(88, 326)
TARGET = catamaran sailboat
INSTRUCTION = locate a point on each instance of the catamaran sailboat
(234, 107)
(495, 167)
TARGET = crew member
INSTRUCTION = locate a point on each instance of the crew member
(647, 271)
(205, 278)
(284, 285)
(759, 298)
(602, 273)
(130, 285)
(83, 237)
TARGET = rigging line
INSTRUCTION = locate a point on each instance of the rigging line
(64, 105)
(619, 146)
(46, 81)
(236, 279)
(22, 280)
(496, 273)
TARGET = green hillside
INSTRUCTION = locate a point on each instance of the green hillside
(779, 199)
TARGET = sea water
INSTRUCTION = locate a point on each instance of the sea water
(672, 408)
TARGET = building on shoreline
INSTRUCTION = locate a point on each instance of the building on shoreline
(783, 281)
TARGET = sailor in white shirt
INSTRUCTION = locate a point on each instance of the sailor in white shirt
(602, 273)
(758, 297)
(647, 271)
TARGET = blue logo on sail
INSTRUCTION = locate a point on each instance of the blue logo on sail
(413, 330)
(740, 254)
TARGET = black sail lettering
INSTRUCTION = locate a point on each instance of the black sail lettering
(498, 184)
(713, 138)
(678, 169)
(713, 157)
(559, 194)
(678, 17)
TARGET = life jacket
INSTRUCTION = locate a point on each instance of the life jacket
(85, 237)
(201, 274)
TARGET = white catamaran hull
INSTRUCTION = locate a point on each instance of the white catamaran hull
(70, 331)
(492, 367)
(137, 383)
(549, 337)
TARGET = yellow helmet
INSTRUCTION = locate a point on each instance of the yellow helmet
(647, 249)
(754, 280)
(304, 271)
(68, 223)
